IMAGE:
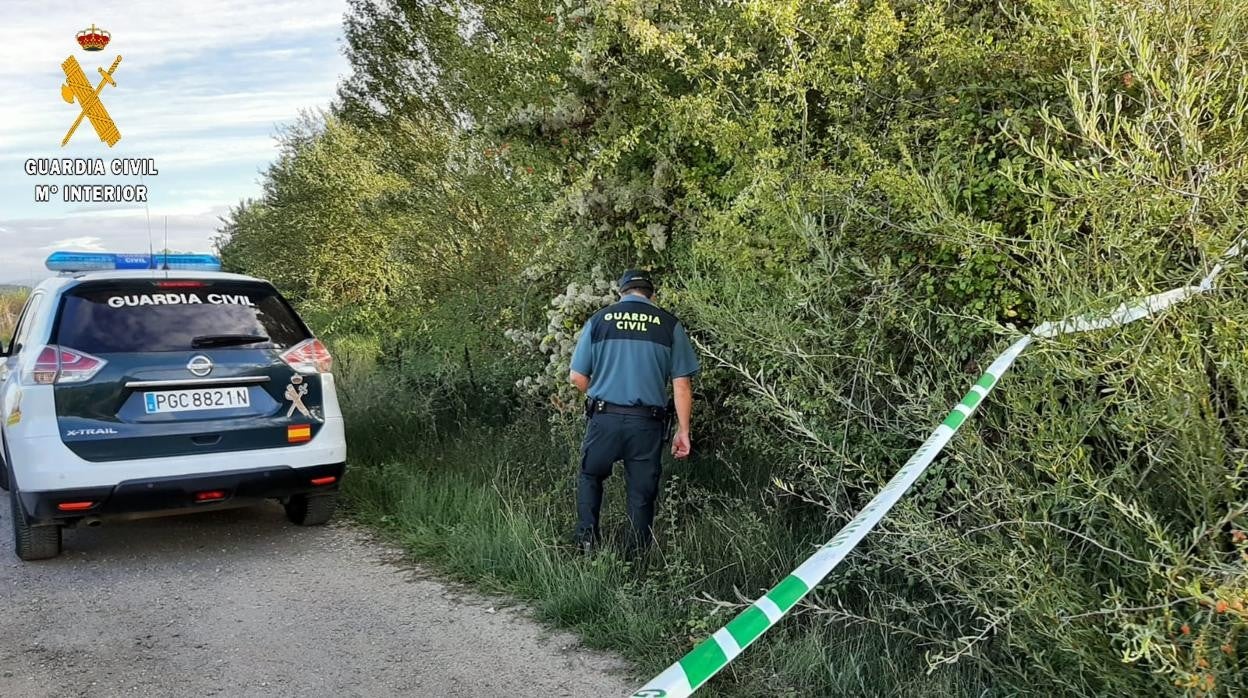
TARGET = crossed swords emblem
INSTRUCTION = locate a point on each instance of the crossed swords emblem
(77, 87)
(295, 392)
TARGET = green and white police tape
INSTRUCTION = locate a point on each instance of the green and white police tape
(713, 654)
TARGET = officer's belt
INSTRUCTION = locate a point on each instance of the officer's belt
(604, 407)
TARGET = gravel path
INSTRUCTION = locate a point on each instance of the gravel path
(240, 603)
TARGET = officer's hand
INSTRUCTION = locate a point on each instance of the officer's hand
(681, 445)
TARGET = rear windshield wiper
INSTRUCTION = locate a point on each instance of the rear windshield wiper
(226, 340)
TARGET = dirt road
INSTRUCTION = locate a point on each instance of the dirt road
(241, 603)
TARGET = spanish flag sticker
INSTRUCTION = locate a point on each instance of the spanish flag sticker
(298, 433)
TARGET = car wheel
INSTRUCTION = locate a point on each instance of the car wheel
(311, 510)
(32, 542)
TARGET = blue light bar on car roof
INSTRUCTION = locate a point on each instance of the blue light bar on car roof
(108, 261)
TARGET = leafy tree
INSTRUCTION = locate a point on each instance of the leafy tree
(854, 204)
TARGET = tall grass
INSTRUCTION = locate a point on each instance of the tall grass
(11, 303)
(491, 504)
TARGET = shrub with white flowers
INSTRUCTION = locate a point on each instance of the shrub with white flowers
(565, 319)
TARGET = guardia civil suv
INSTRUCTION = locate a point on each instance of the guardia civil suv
(143, 385)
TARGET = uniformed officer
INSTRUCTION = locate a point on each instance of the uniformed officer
(623, 361)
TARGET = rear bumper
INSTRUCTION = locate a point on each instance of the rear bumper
(40, 460)
(44, 463)
(178, 493)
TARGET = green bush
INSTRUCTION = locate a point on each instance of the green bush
(853, 205)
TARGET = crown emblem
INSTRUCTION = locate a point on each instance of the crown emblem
(93, 39)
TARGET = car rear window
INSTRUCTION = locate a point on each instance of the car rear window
(109, 317)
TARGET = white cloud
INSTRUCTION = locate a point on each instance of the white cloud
(193, 71)
(202, 89)
(161, 31)
(83, 244)
(163, 112)
(25, 244)
(169, 153)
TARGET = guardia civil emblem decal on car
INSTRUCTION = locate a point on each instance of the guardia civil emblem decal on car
(295, 392)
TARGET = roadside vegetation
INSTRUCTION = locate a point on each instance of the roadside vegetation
(853, 206)
(11, 301)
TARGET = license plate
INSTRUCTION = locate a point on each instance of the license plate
(196, 400)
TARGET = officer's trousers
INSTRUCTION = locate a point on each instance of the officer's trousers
(638, 441)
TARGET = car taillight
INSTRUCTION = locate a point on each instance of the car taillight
(46, 367)
(309, 356)
(58, 365)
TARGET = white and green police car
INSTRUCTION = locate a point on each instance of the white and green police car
(140, 385)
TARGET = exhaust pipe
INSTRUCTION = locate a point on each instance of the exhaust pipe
(91, 521)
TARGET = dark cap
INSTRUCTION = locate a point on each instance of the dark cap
(635, 278)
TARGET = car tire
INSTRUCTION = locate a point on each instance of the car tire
(311, 510)
(32, 542)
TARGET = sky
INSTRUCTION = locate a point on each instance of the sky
(203, 88)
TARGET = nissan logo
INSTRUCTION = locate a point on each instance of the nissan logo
(200, 365)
